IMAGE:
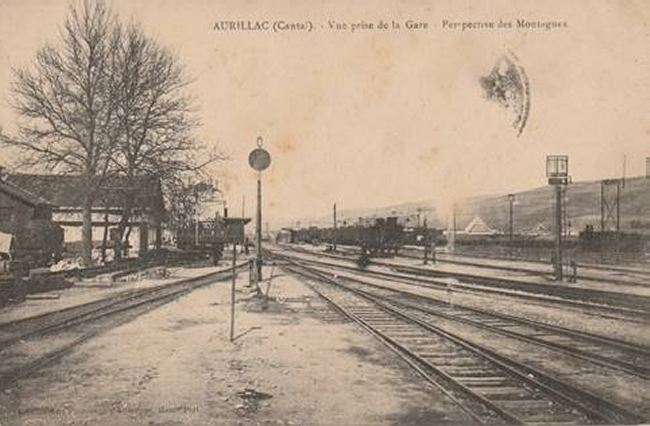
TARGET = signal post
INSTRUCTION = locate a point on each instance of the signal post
(259, 159)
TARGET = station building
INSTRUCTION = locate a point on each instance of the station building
(63, 195)
(18, 206)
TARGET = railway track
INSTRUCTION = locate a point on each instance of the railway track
(491, 388)
(78, 324)
(413, 253)
(627, 305)
(410, 254)
(506, 268)
(601, 309)
(605, 351)
(613, 353)
(638, 270)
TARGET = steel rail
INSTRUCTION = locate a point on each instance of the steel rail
(458, 393)
(52, 321)
(485, 321)
(594, 407)
(627, 349)
(601, 267)
(541, 298)
(150, 299)
(593, 295)
(17, 373)
(412, 253)
(535, 271)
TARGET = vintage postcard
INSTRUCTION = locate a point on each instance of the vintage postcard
(416, 212)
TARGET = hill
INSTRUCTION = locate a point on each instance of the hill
(583, 203)
(532, 207)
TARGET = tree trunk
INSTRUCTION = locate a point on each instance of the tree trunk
(87, 232)
(105, 236)
(126, 241)
(158, 235)
(127, 211)
(126, 215)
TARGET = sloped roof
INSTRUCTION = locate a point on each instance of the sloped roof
(541, 228)
(478, 226)
(236, 220)
(67, 190)
(20, 193)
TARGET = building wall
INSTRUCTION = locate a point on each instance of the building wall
(72, 232)
(12, 210)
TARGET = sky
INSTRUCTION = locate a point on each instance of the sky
(377, 117)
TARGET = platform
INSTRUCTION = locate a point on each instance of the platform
(93, 289)
(297, 363)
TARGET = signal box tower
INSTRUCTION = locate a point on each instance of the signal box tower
(557, 172)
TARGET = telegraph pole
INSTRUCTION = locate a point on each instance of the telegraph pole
(334, 237)
(511, 200)
(647, 169)
(452, 246)
(558, 233)
(426, 241)
(196, 217)
(243, 206)
(232, 291)
(243, 216)
(602, 208)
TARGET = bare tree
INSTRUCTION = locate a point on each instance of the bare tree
(155, 118)
(107, 100)
(183, 201)
(66, 102)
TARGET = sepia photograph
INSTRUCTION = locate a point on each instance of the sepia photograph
(327, 212)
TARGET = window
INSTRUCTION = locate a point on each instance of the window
(42, 212)
(6, 213)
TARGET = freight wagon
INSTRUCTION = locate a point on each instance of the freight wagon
(211, 236)
(380, 236)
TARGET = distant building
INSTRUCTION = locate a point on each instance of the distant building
(478, 227)
(65, 196)
(541, 230)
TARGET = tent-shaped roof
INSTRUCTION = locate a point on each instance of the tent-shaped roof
(541, 229)
(478, 227)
